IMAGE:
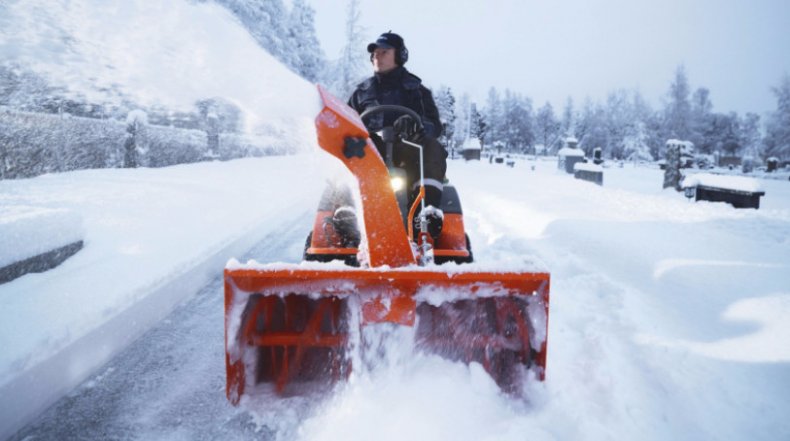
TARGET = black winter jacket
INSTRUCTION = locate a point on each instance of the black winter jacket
(400, 87)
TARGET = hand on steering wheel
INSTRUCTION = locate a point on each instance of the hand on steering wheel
(407, 128)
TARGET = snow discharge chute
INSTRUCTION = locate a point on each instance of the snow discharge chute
(291, 325)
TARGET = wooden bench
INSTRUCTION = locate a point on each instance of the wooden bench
(736, 198)
(39, 263)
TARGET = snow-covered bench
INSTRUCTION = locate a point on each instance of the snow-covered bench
(588, 172)
(740, 192)
(35, 239)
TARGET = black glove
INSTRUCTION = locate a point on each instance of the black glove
(407, 128)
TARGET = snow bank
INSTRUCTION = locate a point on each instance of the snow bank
(146, 231)
(27, 231)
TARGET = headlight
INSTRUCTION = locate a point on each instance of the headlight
(398, 183)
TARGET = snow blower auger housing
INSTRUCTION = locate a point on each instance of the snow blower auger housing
(289, 326)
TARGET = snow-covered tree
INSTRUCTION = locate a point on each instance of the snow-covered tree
(547, 127)
(635, 143)
(309, 57)
(463, 119)
(750, 135)
(134, 147)
(620, 119)
(700, 119)
(445, 103)
(567, 125)
(677, 112)
(493, 115)
(479, 127)
(288, 36)
(354, 63)
(517, 122)
(777, 138)
(592, 128)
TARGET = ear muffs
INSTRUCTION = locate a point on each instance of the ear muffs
(401, 56)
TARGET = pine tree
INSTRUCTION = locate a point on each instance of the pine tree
(592, 131)
(445, 102)
(567, 127)
(288, 36)
(462, 120)
(547, 128)
(701, 111)
(354, 61)
(750, 135)
(777, 138)
(619, 120)
(635, 143)
(677, 112)
(309, 56)
(479, 127)
(493, 116)
(517, 122)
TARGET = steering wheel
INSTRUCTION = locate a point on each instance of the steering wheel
(401, 110)
(388, 133)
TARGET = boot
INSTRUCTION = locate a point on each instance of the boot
(435, 218)
(344, 222)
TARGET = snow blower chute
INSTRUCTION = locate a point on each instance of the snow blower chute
(288, 325)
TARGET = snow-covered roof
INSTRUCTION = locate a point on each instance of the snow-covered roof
(565, 151)
(571, 139)
(737, 183)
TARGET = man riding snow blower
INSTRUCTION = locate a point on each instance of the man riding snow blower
(392, 84)
(288, 326)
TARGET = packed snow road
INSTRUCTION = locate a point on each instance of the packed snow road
(669, 320)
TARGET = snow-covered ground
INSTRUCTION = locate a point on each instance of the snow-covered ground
(669, 318)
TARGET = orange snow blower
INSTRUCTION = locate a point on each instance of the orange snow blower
(289, 326)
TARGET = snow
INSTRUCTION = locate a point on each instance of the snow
(687, 144)
(168, 54)
(680, 336)
(471, 143)
(668, 319)
(586, 166)
(729, 182)
(566, 151)
(27, 231)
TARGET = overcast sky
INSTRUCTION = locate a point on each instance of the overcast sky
(552, 49)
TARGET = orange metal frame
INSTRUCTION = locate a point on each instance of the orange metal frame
(384, 296)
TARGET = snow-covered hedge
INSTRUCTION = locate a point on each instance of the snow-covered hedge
(32, 144)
